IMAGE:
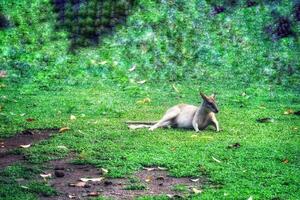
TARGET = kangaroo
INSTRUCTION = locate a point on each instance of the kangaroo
(191, 117)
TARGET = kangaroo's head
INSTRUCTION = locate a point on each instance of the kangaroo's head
(209, 102)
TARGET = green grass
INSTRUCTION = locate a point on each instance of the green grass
(180, 188)
(102, 139)
(179, 49)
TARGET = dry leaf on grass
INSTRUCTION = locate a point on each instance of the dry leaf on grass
(141, 82)
(149, 168)
(64, 129)
(72, 117)
(3, 74)
(175, 88)
(71, 196)
(148, 179)
(132, 68)
(78, 184)
(196, 191)
(102, 62)
(218, 161)
(265, 120)
(144, 101)
(93, 194)
(62, 147)
(285, 161)
(24, 187)
(235, 145)
(30, 119)
(103, 171)
(288, 112)
(92, 179)
(45, 176)
(25, 146)
(162, 168)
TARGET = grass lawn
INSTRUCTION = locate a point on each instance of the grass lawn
(164, 54)
(265, 166)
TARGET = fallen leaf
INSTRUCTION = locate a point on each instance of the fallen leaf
(64, 129)
(62, 147)
(132, 68)
(3, 74)
(250, 198)
(196, 191)
(103, 62)
(92, 179)
(30, 119)
(93, 194)
(288, 112)
(24, 187)
(93, 62)
(71, 196)
(235, 145)
(104, 171)
(175, 88)
(45, 176)
(25, 146)
(148, 179)
(216, 159)
(72, 117)
(141, 82)
(285, 161)
(145, 100)
(78, 184)
(149, 168)
(195, 180)
(162, 168)
(265, 120)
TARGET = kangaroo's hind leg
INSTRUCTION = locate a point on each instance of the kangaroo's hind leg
(166, 120)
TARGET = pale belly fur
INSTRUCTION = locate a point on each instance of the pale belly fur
(185, 118)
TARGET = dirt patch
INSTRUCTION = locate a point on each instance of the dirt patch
(27, 137)
(150, 181)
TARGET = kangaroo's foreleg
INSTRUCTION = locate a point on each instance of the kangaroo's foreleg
(215, 124)
(166, 119)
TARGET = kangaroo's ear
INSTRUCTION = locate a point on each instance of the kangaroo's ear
(204, 97)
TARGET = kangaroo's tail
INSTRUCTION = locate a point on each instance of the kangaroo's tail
(141, 122)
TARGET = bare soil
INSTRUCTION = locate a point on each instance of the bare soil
(155, 180)
(65, 176)
(27, 137)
